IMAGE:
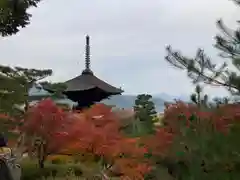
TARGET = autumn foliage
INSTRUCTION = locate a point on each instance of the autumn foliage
(95, 135)
(48, 123)
(95, 131)
(204, 141)
(182, 114)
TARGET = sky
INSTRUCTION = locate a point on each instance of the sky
(128, 40)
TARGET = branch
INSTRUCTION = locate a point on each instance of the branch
(197, 67)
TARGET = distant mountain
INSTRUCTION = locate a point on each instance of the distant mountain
(121, 101)
(167, 97)
(127, 101)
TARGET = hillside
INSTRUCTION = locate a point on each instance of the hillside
(127, 101)
(121, 101)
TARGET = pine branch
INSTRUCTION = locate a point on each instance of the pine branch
(197, 68)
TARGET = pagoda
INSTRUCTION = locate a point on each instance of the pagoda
(86, 89)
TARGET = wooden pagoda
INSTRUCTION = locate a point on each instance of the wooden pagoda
(86, 89)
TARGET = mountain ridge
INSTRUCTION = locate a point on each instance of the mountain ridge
(121, 101)
(127, 101)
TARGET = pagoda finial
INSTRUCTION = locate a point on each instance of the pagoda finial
(87, 57)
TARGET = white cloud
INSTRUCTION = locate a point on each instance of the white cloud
(127, 37)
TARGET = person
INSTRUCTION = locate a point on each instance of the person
(3, 140)
(5, 154)
(5, 151)
(9, 170)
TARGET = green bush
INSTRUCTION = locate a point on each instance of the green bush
(205, 143)
(57, 161)
(31, 171)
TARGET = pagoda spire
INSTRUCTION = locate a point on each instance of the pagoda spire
(87, 57)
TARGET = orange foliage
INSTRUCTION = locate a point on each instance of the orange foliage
(179, 114)
(49, 123)
(225, 116)
(95, 131)
(159, 143)
(221, 118)
(176, 112)
(62, 158)
(12, 143)
(4, 116)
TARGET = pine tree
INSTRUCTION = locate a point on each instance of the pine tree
(202, 69)
(145, 113)
(15, 81)
(198, 98)
(15, 84)
(55, 88)
(14, 15)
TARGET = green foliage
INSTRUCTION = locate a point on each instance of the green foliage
(202, 101)
(198, 99)
(208, 154)
(32, 172)
(144, 107)
(14, 87)
(201, 150)
(202, 69)
(145, 113)
(57, 161)
(7, 127)
(55, 88)
(14, 15)
(15, 83)
(221, 101)
(205, 144)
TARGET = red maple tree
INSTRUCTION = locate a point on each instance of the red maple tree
(46, 129)
(95, 131)
(221, 118)
(202, 131)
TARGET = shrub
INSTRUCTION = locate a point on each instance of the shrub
(60, 159)
(205, 142)
(50, 130)
(31, 171)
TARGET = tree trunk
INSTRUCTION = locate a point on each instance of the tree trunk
(26, 107)
(41, 163)
(41, 155)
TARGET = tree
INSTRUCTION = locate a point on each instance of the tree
(198, 99)
(46, 130)
(202, 69)
(14, 15)
(100, 136)
(158, 146)
(14, 87)
(198, 147)
(15, 83)
(203, 102)
(55, 88)
(95, 134)
(8, 126)
(221, 101)
(145, 112)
